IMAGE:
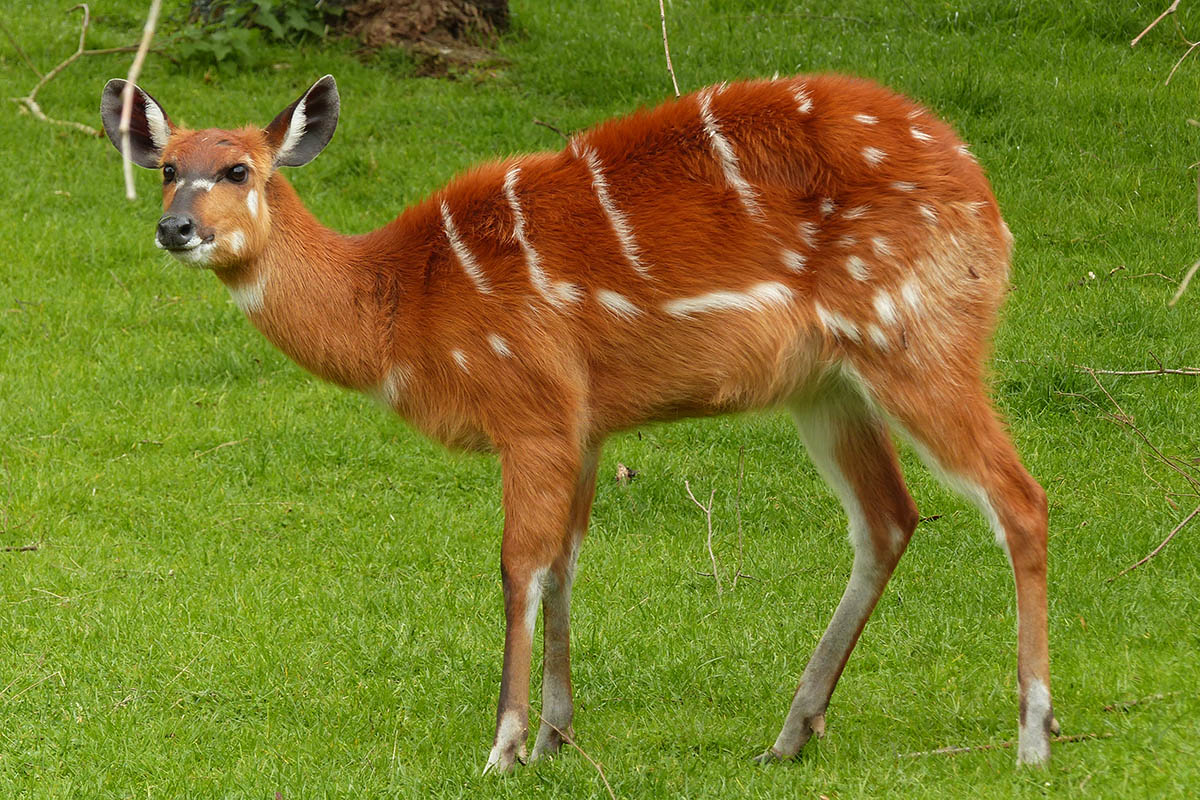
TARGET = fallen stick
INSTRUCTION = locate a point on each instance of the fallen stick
(953, 751)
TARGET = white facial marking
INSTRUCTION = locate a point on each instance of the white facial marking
(237, 240)
(252, 203)
(557, 293)
(793, 261)
(873, 155)
(837, 324)
(725, 154)
(465, 258)
(250, 296)
(803, 98)
(858, 268)
(156, 122)
(866, 119)
(195, 253)
(756, 298)
(460, 358)
(920, 135)
(295, 131)
(885, 308)
(929, 213)
(910, 292)
(618, 221)
(904, 186)
(808, 233)
(617, 304)
(881, 246)
(499, 346)
(827, 207)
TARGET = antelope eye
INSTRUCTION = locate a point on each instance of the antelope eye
(238, 173)
(168, 173)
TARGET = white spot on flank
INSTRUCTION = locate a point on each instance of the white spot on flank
(499, 346)
(911, 293)
(929, 213)
(160, 132)
(803, 98)
(847, 241)
(966, 151)
(904, 186)
(465, 258)
(756, 298)
(394, 385)
(249, 297)
(975, 207)
(920, 135)
(252, 203)
(775, 77)
(724, 151)
(837, 324)
(873, 155)
(916, 112)
(460, 358)
(808, 233)
(617, 304)
(866, 119)
(793, 261)
(827, 207)
(857, 268)
(877, 336)
(881, 246)
(616, 218)
(885, 308)
(557, 293)
(856, 212)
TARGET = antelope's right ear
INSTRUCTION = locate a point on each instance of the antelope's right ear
(302, 130)
(149, 125)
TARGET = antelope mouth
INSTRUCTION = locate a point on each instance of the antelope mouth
(195, 252)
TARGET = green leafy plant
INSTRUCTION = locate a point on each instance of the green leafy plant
(229, 31)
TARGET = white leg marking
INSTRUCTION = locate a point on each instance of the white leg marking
(252, 203)
(793, 261)
(803, 98)
(465, 258)
(866, 119)
(885, 308)
(460, 358)
(873, 155)
(250, 297)
(837, 324)
(724, 151)
(620, 224)
(858, 268)
(911, 293)
(617, 304)
(1032, 747)
(920, 135)
(237, 240)
(557, 293)
(508, 731)
(499, 346)
(756, 298)
(855, 213)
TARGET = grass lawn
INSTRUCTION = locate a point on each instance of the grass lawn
(250, 583)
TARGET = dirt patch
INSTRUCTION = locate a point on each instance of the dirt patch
(442, 35)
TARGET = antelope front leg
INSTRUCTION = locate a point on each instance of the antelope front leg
(539, 485)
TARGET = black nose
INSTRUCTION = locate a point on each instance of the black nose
(175, 230)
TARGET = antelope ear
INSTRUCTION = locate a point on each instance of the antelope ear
(149, 125)
(302, 130)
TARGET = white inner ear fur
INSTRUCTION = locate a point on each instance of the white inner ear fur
(156, 121)
(295, 131)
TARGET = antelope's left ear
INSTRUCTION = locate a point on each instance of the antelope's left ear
(302, 130)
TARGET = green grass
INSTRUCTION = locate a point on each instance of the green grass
(249, 582)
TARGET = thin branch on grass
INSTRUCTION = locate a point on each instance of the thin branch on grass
(1191, 273)
(551, 127)
(13, 41)
(566, 737)
(23, 549)
(1112, 707)
(29, 102)
(953, 751)
(127, 96)
(1193, 371)
(1161, 545)
(218, 447)
(737, 503)
(708, 516)
(662, 12)
(1170, 10)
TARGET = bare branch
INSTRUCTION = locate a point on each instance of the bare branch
(1160, 371)
(29, 102)
(551, 127)
(1160, 18)
(127, 97)
(1191, 273)
(13, 40)
(708, 515)
(953, 751)
(662, 11)
(1161, 545)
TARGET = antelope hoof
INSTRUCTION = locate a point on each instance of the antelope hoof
(504, 758)
(549, 741)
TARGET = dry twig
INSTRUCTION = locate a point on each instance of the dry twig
(566, 737)
(1140, 701)
(551, 127)
(1161, 545)
(24, 549)
(1191, 273)
(662, 11)
(1193, 371)
(953, 751)
(1160, 18)
(708, 516)
(29, 102)
(127, 96)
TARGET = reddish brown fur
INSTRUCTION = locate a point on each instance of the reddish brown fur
(363, 310)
